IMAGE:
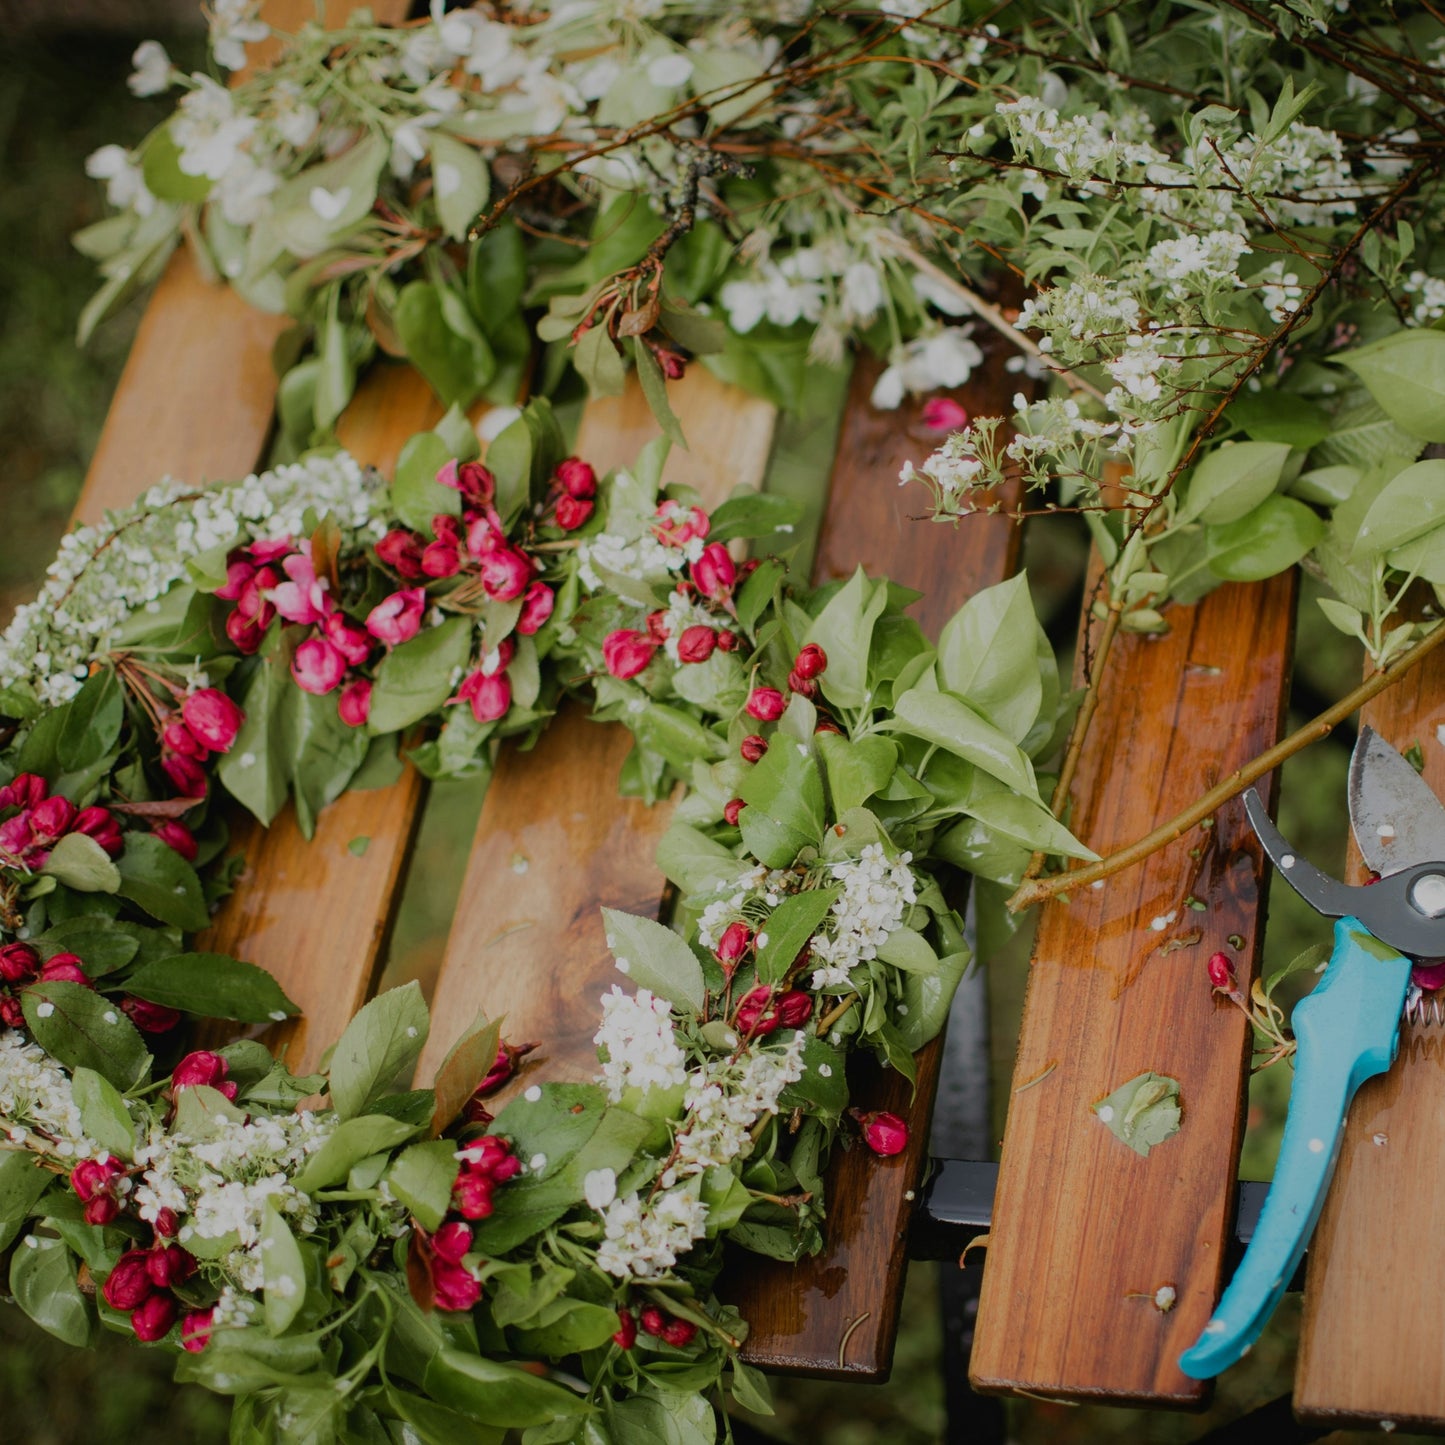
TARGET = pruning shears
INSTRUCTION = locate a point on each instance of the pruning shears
(1348, 1029)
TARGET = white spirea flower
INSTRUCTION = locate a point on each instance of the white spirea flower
(152, 73)
(1430, 291)
(644, 1240)
(643, 558)
(208, 129)
(642, 1048)
(125, 186)
(36, 1102)
(235, 24)
(599, 1188)
(876, 893)
(937, 360)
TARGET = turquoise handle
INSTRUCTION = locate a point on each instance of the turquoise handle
(1347, 1031)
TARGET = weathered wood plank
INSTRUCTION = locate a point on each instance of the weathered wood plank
(1374, 1316)
(836, 1313)
(555, 842)
(312, 912)
(1106, 1002)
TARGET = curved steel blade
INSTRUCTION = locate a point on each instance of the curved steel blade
(1397, 820)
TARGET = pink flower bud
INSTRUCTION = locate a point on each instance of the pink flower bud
(491, 1155)
(202, 1068)
(52, 818)
(318, 666)
(63, 968)
(99, 825)
(401, 552)
(265, 550)
(942, 413)
(245, 633)
(478, 485)
(490, 696)
(214, 720)
(727, 641)
(506, 573)
(573, 512)
(577, 478)
(732, 811)
(19, 963)
(626, 1335)
(714, 573)
(174, 834)
(811, 662)
(883, 1133)
(734, 942)
(93, 1177)
(753, 747)
(303, 598)
(396, 619)
(352, 642)
(696, 644)
(472, 1195)
(441, 559)
(452, 1241)
(760, 1012)
(354, 705)
(658, 625)
(804, 686)
(169, 1265)
(196, 1330)
(653, 1320)
(625, 653)
(456, 1287)
(537, 607)
(485, 534)
(148, 1017)
(25, 790)
(675, 524)
(679, 1333)
(153, 1320)
(238, 573)
(766, 704)
(1221, 970)
(129, 1283)
(178, 738)
(673, 363)
(186, 775)
(1428, 976)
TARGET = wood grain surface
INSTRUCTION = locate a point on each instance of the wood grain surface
(1086, 1231)
(555, 842)
(1372, 1347)
(836, 1313)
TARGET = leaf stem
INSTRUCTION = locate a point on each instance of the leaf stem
(1037, 890)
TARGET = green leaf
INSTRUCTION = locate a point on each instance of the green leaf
(756, 514)
(416, 495)
(784, 797)
(1411, 504)
(1312, 959)
(908, 950)
(1233, 479)
(928, 997)
(695, 862)
(467, 1063)
(257, 770)
(497, 1394)
(461, 183)
(214, 986)
(92, 724)
(164, 178)
(1025, 821)
(1280, 416)
(103, 1114)
(654, 390)
(101, 944)
(583, 1327)
(444, 342)
(422, 1178)
(416, 678)
(383, 1039)
(80, 1028)
(599, 363)
(79, 862)
(824, 1082)
(844, 630)
(325, 202)
(655, 958)
(283, 1272)
(156, 877)
(1270, 539)
(1142, 1113)
(750, 1389)
(789, 926)
(22, 1181)
(856, 770)
(954, 726)
(1405, 373)
(42, 1279)
(986, 654)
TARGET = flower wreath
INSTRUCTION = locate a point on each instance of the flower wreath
(385, 1259)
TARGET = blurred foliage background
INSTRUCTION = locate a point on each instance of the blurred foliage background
(62, 94)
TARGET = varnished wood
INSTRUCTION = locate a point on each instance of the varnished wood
(555, 842)
(1085, 1230)
(836, 1313)
(1372, 1346)
(313, 912)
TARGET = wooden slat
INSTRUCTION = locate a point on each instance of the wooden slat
(1085, 1231)
(800, 1316)
(312, 912)
(1374, 1318)
(555, 841)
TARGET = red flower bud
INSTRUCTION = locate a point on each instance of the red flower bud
(492, 1156)
(149, 1018)
(812, 661)
(196, 1330)
(101, 1210)
(537, 607)
(696, 644)
(63, 968)
(626, 1335)
(394, 620)
(401, 552)
(203, 1068)
(760, 1012)
(25, 790)
(626, 653)
(827, 725)
(732, 811)
(679, 1333)
(766, 704)
(657, 626)
(472, 1195)
(52, 818)
(455, 1286)
(728, 641)
(93, 1178)
(673, 363)
(676, 524)
(653, 1320)
(129, 1282)
(19, 963)
(734, 943)
(166, 1224)
(214, 720)
(11, 1014)
(318, 666)
(442, 558)
(753, 747)
(883, 1133)
(573, 512)
(1221, 970)
(186, 775)
(942, 413)
(353, 707)
(169, 1265)
(506, 573)
(238, 573)
(352, 642)
(452, 1241)
(805, 686)
(471, 479)
(714, 573)
(178, 738)
(174, 834)
(490, 695)
(99, 825)
(245, 633)
(153, 1320)
(577, 478)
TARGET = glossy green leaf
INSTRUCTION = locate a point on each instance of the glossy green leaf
(42, 1280)
(1268, 540)
(103, 1114)
(498, 1394)
(213, 985)
(951, 724)
(445, 343)
(1405, 373)
(844, 630)
(384, 1039)
(157, 878)
(654, 957)
(986, 655)
(461, 184)
(1233, 479)
(81, 863)
(416, 678)
(80, 1028)
(422, 1178)
(1411, 504)
(788, 928)
(283, 1272)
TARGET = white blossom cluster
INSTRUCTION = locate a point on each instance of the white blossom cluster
(1429, 294)
(758, 886)
(1280, 290)
(104, 574)
(876, 894)
(644, 1239)
(641, 1045)
(644, 559)
(37, 1108)
(939, 359)
(222, 1186)
(951, 470)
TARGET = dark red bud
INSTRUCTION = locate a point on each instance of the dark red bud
(626, 1335)
(753, 747)
(732, 811)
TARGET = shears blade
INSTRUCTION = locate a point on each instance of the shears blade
(1396, 817)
